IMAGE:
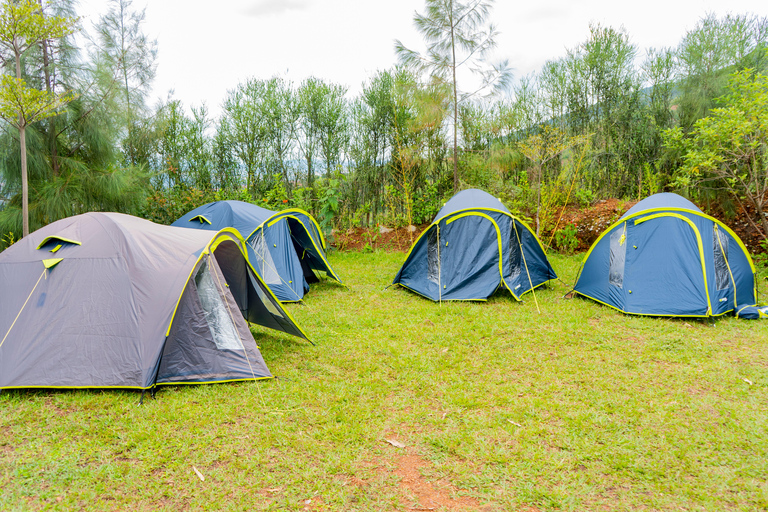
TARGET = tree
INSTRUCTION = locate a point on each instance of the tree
(457, 34)
(226, 173)
(541, 149)
(712, 50)
(310, 96)
(23, 26)
(172, 126)
(323, 124)
(282, 112)
(371, 122)
(730, 146)
(246, 126)
(130, 57)
(334, 126)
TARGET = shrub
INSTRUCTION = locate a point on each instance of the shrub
(565, 239)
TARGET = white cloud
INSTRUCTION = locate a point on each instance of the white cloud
(275, 7)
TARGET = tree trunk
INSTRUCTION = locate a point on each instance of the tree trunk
(23, 147)
(49, 88)
(123, 53)
(24, 186)
(763, 219)
(455, 111)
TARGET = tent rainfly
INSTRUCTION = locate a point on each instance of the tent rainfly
(664, 257)
(106, 300)
(285, 247)
(472, 248)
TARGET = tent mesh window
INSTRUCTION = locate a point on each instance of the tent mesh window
(618, 256)
(264, 263)
(221, 324)
(514, 255)
(722, 278)
(433, 260)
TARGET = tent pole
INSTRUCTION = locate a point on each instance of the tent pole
(522, 253)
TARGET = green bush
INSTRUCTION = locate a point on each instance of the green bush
(565, 239)
(584, 197)
(164, 206)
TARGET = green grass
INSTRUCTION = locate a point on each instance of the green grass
(577, 408)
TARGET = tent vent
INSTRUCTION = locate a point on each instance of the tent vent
(201, 218)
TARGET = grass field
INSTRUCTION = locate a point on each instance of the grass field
(488, 406)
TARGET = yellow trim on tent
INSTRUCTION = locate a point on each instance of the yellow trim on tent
(684, 210)
(142, 388)
(650, 314)
(80, 387)
(496, 211)
(54, 237)
(201, 218)
(218, 239)
(192, 383)
(285, 214)
(437, 221)
(698, 240)
(760, 314)
(498, 242)
(244, 251)
(293, 210)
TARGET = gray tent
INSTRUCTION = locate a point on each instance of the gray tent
(109, 300)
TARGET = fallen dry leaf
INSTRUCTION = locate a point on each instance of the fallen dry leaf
(199, 474)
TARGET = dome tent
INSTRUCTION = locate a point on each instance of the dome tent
(109, 300)
(285, 247)
(473, 247)
(665, 257)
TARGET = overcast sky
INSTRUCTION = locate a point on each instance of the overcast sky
(207, 47)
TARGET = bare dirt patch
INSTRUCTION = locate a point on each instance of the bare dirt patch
(423, 494)
(373, 238)
(590, 223)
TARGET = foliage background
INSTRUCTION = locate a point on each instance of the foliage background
(384, 156)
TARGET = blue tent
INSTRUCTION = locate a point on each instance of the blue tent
(286, 247)
(472, 248)
(665, 257)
